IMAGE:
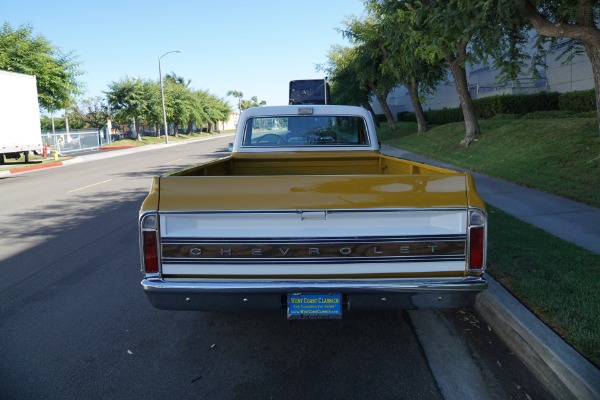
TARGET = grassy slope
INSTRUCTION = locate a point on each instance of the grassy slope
(559, 156)
(559, 281)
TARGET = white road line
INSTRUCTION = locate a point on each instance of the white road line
(173, 162)
(89, 186)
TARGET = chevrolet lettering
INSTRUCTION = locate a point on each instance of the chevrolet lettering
(307, 216)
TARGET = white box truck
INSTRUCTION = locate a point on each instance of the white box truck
(20, 130)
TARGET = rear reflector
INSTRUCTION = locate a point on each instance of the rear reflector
(150, 252)
(476, 248)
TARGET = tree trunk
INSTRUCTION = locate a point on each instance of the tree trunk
(472, 129)
(367, 105)
(382, 100)
(584, 31)
(136, 126)
(67, 122)
(592, 49)
(413, 91)
(593, 52)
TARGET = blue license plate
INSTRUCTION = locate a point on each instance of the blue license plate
(314, 306)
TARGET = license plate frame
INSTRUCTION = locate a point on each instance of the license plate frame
(314, 306)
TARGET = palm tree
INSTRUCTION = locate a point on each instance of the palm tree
(238, 95)
(177, 80)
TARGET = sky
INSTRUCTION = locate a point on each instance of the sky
(255, 47)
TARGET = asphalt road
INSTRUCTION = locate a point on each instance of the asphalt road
(75, 324)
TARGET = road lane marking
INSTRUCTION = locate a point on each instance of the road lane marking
(173, 162)
(89, 186)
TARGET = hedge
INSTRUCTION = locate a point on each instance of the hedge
(444, 116)
(406, 116)
(578, 102)
(516, 104)
(556, 105)
(380, 118)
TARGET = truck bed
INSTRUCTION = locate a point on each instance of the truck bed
(323, 163)
(311, 181)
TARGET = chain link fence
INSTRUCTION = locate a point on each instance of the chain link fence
(75, 140)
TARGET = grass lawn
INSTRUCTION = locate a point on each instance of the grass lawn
(557, 280)
(560, 156)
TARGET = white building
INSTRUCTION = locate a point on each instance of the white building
(483, 82)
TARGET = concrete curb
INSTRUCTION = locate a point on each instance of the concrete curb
(561, 369)
(30, 168)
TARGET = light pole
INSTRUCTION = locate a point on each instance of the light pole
(162, 94)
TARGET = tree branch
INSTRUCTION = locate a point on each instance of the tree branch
(558, 29)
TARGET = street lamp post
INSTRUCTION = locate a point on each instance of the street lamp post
(162, 94)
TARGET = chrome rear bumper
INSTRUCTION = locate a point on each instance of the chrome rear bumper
(256, 295)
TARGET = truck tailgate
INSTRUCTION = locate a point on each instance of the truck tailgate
(319, 226)
(302, 192)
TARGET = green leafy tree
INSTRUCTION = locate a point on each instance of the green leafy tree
(238, 95)
(128, 101)
(75, 122)
(381, 28)
(456, 32)
(368, 61)
(244, 103)
(574, 21)
(345, 85)
(215, 109)
(369, 58)
(139, 100)
(46, 123)
(152, 111)
(173, 78)
(92, 111)
(23, 51)
(253, 102)
(179, 104)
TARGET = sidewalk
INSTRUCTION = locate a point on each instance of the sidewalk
(561, 369)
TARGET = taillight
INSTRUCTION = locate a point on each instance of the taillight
(477, 240)
(149, 244)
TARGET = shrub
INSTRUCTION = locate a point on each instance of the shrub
(406, 116)
(581, 104)
(516, 104)
(380, 118)
(577, 102)
(444, 116)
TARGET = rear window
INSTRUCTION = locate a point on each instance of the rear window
(306, 130)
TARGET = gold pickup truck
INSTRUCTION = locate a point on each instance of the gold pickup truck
(306, 215)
